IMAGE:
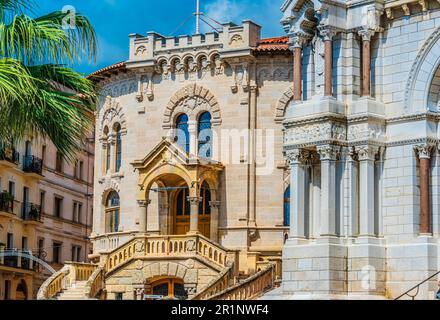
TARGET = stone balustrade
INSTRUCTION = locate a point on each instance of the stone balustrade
(110, 242)
(221, 283)
(95, 283)
(177, 246)
(54, 284)
(69, 274)
(250, 289)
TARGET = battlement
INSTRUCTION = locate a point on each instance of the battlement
(231, 37)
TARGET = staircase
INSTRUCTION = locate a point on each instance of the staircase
(75, 292)
(81, 281)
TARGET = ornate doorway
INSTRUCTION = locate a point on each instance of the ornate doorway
(182, 212)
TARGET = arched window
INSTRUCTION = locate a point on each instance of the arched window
(287, 207)
(112, 212)
(118, 158)
(182, 132)
(205, 194)
(183, 205)
(205, 135)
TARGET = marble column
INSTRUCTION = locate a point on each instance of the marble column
(194, 215)
(424, 155)
(297, 193)
(192, 130)
(328, 33)
(297, 43)
(367, 156)
(328, 156)
(366, 61)
(142, 215)
(215, 213)
(353, 194)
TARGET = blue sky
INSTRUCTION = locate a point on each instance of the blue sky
(114, 20)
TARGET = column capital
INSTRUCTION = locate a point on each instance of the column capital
(194, 200)
(328, 152)
(366, 34)
(214, 204)
(327, 32)
(424, 150)
(365, 153)
(143, 203)
(298, 40)
(297, 156)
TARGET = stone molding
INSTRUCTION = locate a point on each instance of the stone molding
(424, 151)
(192, 99)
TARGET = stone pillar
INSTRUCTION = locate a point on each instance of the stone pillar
(353, 192)
(328, 156)
(252, 156)
(366, 61)
(297, 43)
(111, 146)
(328, 34)
(297, 193)
(367, 156)
(142, 215)
(215, 211)
(194, 218)
(424, 155)
(192, 130)
(139, 292)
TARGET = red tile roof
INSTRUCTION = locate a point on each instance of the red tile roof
(277, 44)
(273, 45)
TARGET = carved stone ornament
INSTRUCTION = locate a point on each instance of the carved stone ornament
(424, 151)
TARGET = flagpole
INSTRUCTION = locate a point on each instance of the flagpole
(198, 18)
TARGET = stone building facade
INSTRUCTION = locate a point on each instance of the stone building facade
(177, 158)
(361, 137)
(46, 208)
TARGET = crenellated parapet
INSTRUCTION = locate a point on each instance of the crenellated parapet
(192, 53)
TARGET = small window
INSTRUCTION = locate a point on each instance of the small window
(58, 207)
(112, 212)
(56, 252)
(59, 163)
(43, 155)
(205, 135)
(42, 198)
(81, 171)
(76, 253)
(119, 296)
(287, 207)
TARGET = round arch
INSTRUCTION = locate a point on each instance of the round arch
(282, 104)
(423, 71)
(111, 114)
(192, 99)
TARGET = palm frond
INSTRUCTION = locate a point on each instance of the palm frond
(16, 84)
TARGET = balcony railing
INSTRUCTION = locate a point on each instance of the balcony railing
(31, 212)
(10, 155)
(13, 258)
(32, 164)
(6, 202)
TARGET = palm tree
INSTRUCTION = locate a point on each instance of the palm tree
(39, 94)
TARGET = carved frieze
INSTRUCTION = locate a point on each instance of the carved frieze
(315, 132)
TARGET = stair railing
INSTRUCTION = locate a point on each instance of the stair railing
(417, 288)
(251, 288)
